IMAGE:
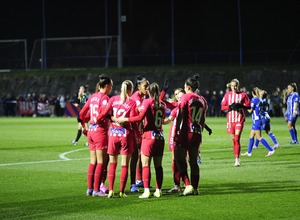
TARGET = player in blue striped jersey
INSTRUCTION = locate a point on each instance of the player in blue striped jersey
(255, 111)
(291, 98)
(266, 119)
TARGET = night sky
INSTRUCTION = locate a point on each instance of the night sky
(199, 26)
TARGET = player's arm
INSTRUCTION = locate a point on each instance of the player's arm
(224, 104)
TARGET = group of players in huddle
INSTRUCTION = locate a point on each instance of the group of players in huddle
(131, 124)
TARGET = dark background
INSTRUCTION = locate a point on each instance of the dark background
(199, 26)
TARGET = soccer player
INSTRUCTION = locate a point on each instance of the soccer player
(135, 163)
(121, 137)
(172, 118)
(291, 98)
(255, 111)
(80, 100)
(97, 135)
(266, 119)
(190, 122)
(234, 103)
(152, 111)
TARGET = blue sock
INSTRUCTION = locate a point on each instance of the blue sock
(292, 132)
(256, 142)
(296, 136)
(250, 145)
(265, 143)
(272, 136)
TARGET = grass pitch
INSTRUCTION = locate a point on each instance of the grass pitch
(43, 176)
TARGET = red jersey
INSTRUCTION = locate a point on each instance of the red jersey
(95, 104)
(138, 98)
(228, 99)
(193, 108)
(173, 113)
(127, 109)
(169, 105)
(153, 117)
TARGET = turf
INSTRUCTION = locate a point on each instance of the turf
(43, 176)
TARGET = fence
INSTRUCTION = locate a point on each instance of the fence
(101, 51)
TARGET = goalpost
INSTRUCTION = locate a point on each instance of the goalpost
(13, 54)
(74, 52)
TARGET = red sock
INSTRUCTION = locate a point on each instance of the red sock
(112, 175)
(159, 176)
(97, 176)
(237, 146)
(185, 179)
(146, 176)
(90, 175)
(123, 178)
(103, 174)
(138, 174)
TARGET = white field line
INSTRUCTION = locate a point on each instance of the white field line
(63, 157)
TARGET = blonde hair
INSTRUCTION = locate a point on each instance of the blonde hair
(228, 85)
(255, 92)
(125, 87)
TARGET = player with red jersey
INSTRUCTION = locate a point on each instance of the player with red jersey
(152, 111)
(173, 106)
(97, 135)
(188, 135)
(121, 138)
(235, 102)
(135, 163)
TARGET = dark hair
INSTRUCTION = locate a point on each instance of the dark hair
(179, 90)
(294, 85)
(264, 96)
(139, 80)
(103, 80)
(193, 82)
(86, 87)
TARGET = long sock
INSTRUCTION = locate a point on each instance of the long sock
(97, 176)
(293, 136)
(123, 178)
(195, 175)
(90, 175)
(296, 135)
(256, 142)
(112, 175)
(79, 132)
(139, 174)
(272, 136)
(159, 177)
(237, 146)
(176, 174)
(250, 145)
(265, 143)
(103, 174)
(146, 176)
(132, 166)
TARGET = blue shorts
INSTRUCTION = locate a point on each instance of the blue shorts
(290, 118)
(257, 125)
(266, 123)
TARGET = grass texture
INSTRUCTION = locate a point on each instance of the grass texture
(43, 176)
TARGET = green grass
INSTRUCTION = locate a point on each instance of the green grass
(36, 183)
